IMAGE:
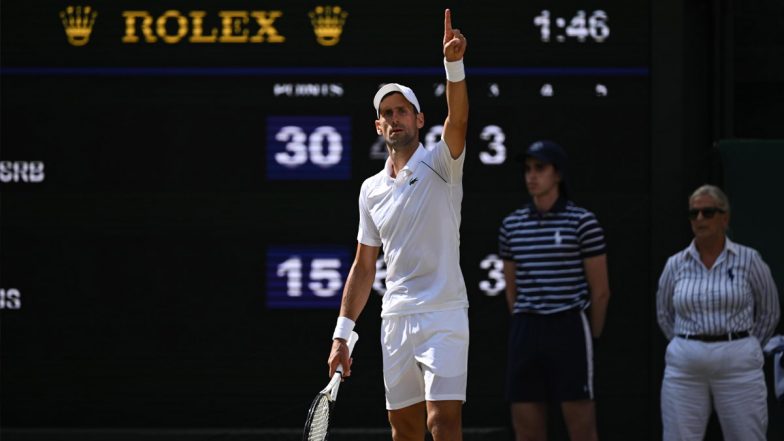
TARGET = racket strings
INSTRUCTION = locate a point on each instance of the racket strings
(319, 419)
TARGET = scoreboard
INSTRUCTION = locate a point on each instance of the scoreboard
(179, 186)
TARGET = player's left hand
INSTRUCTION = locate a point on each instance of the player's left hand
(454, 40)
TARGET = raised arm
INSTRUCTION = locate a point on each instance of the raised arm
(456, 123)
(355, 296)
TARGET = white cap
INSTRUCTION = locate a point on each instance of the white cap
(394, 87)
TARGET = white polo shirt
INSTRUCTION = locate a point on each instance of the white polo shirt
(415, 217)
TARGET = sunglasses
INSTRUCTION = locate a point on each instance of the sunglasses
(707, 212)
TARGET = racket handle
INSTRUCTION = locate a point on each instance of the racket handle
(352, 340)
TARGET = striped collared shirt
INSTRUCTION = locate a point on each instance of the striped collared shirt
(736, 294)
(548, 251)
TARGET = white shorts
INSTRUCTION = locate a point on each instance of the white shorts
(425, 357)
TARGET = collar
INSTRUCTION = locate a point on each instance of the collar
(729, 247)
(559, 205)
(411, 165)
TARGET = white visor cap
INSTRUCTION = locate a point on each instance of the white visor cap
(394, 87)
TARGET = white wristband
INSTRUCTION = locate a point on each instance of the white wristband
(455, 71)
(343, 328)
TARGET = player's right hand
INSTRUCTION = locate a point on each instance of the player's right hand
(339, 356)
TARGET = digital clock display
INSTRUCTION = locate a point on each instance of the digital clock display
(593, 28)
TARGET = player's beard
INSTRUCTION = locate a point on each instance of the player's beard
(403, 141)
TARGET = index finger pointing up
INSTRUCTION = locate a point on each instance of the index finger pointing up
(447, 20)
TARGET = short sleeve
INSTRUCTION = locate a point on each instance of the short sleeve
(504, 251)
(443, 163)
(368, 232)
(591, 236)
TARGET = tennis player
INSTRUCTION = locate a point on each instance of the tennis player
(411, 208)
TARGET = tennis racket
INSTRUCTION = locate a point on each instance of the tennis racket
(322, 409)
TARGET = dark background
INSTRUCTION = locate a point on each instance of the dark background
(141, 260)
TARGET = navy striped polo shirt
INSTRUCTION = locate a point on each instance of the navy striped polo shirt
(548, 251)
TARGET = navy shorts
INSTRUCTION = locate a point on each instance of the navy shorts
(550, 358)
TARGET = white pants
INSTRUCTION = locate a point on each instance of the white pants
(725, 375)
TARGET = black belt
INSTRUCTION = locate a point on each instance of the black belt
(721, 337)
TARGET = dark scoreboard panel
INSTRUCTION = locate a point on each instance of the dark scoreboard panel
(179, 192)
(241, 33)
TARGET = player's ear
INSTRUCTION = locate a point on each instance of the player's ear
(378, 127)
(420, 120)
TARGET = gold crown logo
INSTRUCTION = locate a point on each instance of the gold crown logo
(328, 24)
(78, 23)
